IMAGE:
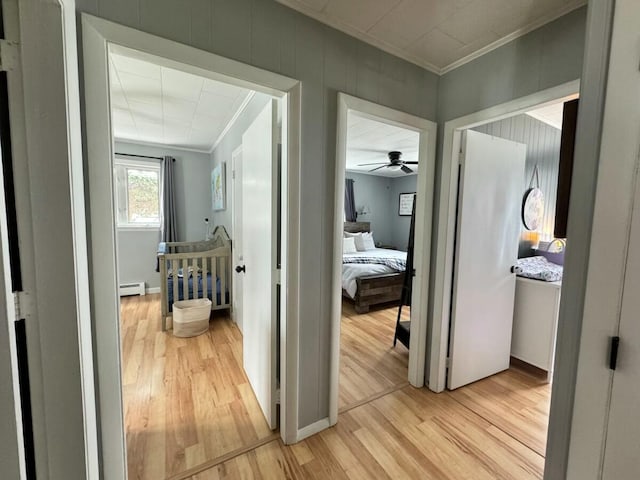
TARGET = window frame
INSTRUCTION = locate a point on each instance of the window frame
(120, 162)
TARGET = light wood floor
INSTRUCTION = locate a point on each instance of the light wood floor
(369, 364)
(415, 434)
(495, 428)
(186, 400)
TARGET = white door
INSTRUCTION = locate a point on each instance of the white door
(623, 434)
(490, 200)
(259, 182)
(238, 259)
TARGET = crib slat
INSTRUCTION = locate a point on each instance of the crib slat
(174, 276)
(194, 276)
(185, 279)
(205, 279)
(223, 281)
(214, 283)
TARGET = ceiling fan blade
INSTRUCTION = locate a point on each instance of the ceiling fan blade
(410, 163)
(372, 150)
(367, 164)
(378, 168)
(406, 169)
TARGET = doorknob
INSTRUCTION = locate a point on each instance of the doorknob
(241, 269)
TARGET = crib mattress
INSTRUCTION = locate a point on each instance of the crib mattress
(199, 290)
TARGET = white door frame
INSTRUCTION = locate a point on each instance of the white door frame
(234, 226)
(608, 131)
(423, 216)
(99, 36)
(439, 339)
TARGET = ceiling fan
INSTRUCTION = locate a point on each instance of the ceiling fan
(395, 163)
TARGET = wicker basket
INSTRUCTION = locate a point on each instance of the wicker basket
(191, 317)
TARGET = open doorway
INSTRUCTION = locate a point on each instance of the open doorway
(193, 389)
(507, 263)
(380, 180)
(384, 161)
(178, 393)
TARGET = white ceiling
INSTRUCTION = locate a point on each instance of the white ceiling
(551, 114)
(436, 34)
(160, 105)
(369, 141)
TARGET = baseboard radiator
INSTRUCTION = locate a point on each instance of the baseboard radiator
(136, 288)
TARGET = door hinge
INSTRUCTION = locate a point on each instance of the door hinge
(8, 55)
(277, 396)
(23, 305)
(447, 362)
(613, 352)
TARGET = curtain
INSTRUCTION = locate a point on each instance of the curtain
(349, 201)
(169, 223)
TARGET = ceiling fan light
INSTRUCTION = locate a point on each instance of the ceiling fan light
(394, 167)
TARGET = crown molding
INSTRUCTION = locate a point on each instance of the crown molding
(416, 60)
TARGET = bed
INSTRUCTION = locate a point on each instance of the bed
(206, 266)
(374, 276)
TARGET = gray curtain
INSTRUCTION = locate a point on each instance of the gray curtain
(349, 201)
(169, 223)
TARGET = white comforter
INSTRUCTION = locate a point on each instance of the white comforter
(351, 271)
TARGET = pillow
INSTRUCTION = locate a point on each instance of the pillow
(349, 234)
(369, 243)
(349, 245)
(365, 242)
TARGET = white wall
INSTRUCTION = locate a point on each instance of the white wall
(137, 248)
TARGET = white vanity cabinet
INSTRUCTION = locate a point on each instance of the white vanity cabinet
(535, 322)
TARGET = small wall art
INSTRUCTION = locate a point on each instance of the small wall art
(218, 194)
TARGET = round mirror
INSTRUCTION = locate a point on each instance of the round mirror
(532, 208)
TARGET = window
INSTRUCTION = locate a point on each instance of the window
(137, 192)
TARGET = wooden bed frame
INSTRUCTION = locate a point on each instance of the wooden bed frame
(212, 256)
(373, 289)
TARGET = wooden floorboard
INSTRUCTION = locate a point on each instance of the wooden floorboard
(188, 406)
(409, 433)
(186, 400)
(369, 363)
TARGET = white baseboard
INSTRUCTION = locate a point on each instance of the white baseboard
(313, 428)
(152, 290)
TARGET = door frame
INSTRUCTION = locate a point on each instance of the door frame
(99, 36)
(234, 226)
(447, 218)
(424, 209)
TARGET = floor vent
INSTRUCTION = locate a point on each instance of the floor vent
(131, 289)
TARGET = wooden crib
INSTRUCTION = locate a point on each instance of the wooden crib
(190, 270)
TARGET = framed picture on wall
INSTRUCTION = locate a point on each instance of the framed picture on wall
(405, 204)
(218, 187)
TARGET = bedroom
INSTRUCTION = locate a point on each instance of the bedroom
(510, 223)
(381, 172)
(187, 394)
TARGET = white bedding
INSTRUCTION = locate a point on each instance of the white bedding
(351, 271)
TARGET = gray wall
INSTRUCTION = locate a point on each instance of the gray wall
(268, 35)
(400, 225)
(547, 57)
(137, 248)
(222, 153)
(373, 191)
(381, 195)
(543, 149)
